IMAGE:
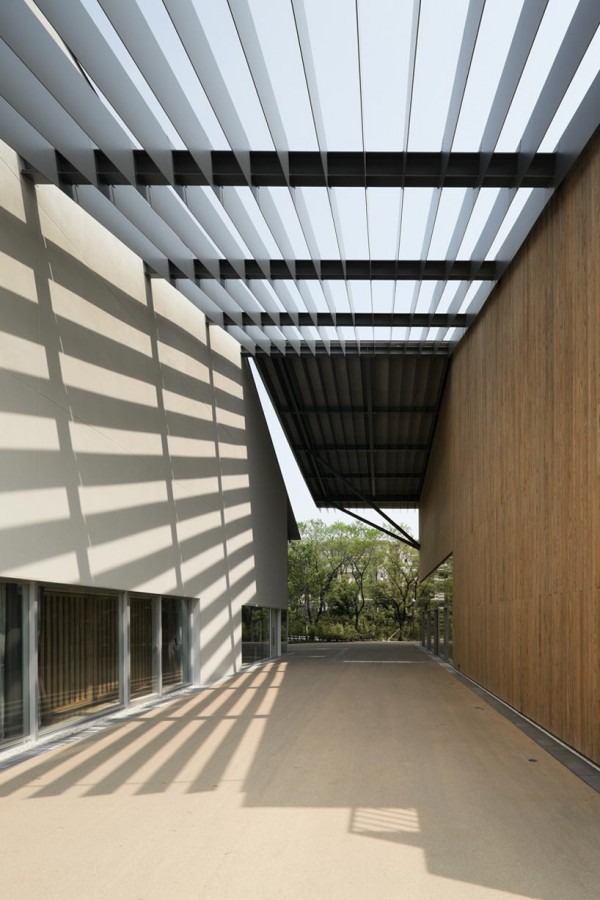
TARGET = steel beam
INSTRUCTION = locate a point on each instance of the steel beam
(333, 169)
(354, 320)
(347, 270)
(303, 409)
(363, 448)
(356, 348)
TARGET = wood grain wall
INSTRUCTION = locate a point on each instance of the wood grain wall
(513, 481)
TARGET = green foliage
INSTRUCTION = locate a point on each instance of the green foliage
(351, 582)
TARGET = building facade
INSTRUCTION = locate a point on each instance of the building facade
(513, 482)
(142, 507)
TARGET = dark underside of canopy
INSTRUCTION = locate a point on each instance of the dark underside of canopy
(360, 427)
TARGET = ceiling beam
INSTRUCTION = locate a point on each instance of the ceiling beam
(333, 169)
(366, 476)
(363, 448)
(347, 270)
(357, 348)
(324, 410)
(353, 320)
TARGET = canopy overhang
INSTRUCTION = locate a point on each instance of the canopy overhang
(246, 152)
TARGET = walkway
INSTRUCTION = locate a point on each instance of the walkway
(345, 771)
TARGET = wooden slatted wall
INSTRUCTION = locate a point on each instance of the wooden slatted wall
(513, 481)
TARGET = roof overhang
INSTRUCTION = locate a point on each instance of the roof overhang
(348, 250)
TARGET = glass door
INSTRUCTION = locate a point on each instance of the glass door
(143, 668)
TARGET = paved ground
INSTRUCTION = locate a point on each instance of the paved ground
(345, 771)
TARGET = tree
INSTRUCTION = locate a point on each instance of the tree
(350, 579)
(314, 563)
(397, 587)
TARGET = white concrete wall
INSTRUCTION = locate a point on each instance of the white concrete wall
(134, 454)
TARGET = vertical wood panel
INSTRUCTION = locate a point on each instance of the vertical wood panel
(513, 483)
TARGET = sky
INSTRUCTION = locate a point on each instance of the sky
(300, 498)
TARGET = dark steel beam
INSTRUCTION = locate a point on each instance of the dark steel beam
(389, 501)
(348, 270)
(334, 169)
(349, 476)
(357, 348)
(356, 320)
(370, 501)
(412, 543)
(302, 409)
(363, 448)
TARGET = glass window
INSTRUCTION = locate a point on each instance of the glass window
(256, 634)
(284, 631)
(78, 661)
(11, 662)
(173, 623)
(143, 667)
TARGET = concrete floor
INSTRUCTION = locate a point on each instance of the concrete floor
(343, 771)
